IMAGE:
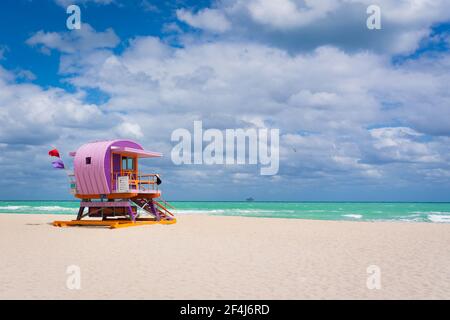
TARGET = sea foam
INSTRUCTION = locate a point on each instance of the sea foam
(354, 216)
(439, 218)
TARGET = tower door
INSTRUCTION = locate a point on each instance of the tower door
(124, 166)
(128, 165)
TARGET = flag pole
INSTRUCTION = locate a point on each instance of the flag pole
(66, 170)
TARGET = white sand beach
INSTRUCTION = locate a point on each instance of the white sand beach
(212, 257)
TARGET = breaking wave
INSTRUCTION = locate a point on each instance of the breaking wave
(440, 218)
(37, 209)
(354, 216)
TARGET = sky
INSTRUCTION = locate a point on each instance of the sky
(363, 115)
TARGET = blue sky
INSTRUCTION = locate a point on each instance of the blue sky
(364, 115)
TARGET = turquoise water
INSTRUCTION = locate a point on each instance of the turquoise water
(352, 211)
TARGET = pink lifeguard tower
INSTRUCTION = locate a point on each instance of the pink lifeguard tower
(107, 179)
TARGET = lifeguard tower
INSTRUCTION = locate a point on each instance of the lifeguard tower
(107, 180)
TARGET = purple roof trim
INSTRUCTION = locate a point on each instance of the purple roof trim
(139, 152)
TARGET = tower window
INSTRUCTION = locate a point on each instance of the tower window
(127, 163)
(88, 160)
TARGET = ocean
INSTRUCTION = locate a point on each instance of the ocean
(349, 211)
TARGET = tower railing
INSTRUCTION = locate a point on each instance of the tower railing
(137, 181)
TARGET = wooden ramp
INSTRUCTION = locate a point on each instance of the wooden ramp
(112, 223)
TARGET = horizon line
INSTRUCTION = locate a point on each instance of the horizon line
(259, 201)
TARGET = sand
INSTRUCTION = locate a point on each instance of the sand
(212, 257)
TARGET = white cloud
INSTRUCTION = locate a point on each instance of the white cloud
(31, 115)
(84, 39)
(130, 130)
(286, 14)
(302, 25)
(294, 13)
(207, 19)
(66, 3)
(26, 75)
(80, 48)
(407, 12)
(408, 41)
(331, 96)
(403, 145)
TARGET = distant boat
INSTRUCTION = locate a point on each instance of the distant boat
(250, 199)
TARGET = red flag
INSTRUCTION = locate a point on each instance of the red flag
(53, 153)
